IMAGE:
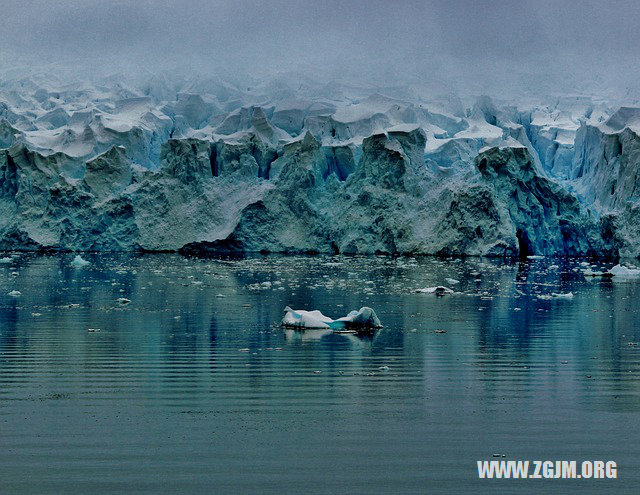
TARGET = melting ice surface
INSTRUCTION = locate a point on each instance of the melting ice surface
(192, 386)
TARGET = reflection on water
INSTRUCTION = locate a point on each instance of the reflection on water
(194, 387)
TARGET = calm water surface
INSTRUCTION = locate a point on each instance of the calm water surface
(193, 387)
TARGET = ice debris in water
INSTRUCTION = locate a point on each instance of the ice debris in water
(452, 281)
(123, 300)
(79, 262)
(364, 318)
(556, 295)
(440, 290)
(588, 272)
(15, 293)
(5, 260)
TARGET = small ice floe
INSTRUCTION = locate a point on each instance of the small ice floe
(5, 260)
(93, 330)
(556, 295)
(123, 300)
(535, 257)
(624, 272)
(14, 293)
(440, 290)
(562, 295)
(260, 286)
(365, 318)
(79, 262)
(588, 272)
(452, 281)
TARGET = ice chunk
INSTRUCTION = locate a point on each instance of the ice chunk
(305, 319)
(452, 281)
(15, 293)
(79, 262)
(556, 295)
(562, 295)
(440, 290)
(588, 272)
(364, 318)
(5, 260)
(623, 271)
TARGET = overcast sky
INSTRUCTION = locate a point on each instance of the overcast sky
(466, 38)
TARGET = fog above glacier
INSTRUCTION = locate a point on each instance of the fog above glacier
(469, 45)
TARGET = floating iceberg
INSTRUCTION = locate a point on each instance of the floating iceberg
(365, 318)
(556, 295)
(79, 262)
(438, 291)
(624, 272)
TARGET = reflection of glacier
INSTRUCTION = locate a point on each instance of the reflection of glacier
(208, 166)
(177, 335)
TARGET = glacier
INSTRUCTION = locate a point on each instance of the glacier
(203, 166)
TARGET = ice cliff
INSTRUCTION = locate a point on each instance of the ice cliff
(205, 166)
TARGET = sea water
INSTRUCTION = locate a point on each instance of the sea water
(159, 373)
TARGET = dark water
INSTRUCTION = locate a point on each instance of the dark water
(193, 387)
